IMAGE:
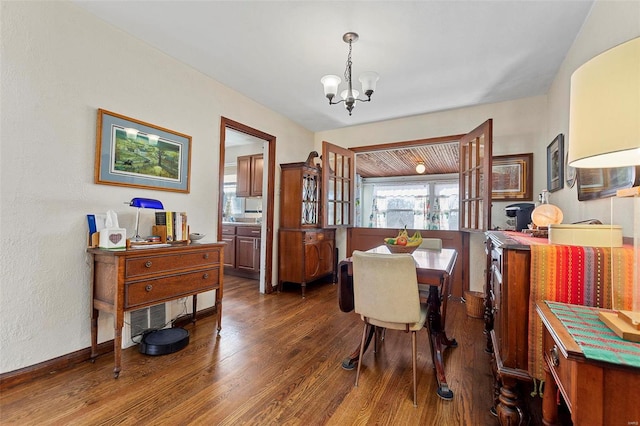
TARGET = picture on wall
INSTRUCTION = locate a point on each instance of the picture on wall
(512, 177)
(555, 164)
(602, 183)
(136, 154)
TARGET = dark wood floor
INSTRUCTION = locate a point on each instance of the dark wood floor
(277, 361)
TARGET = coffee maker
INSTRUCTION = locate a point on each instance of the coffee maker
(522, 214)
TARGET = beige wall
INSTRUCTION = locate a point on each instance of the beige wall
(609, 24)
(59, 65)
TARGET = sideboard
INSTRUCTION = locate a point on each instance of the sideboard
(522, 270)
(124, 280)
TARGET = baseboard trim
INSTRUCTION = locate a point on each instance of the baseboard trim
(183, 320)
(23, 375)
(26, 374)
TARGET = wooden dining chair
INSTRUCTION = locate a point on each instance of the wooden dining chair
(431, 243)
(385, 290)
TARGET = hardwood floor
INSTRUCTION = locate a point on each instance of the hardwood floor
(277, 361)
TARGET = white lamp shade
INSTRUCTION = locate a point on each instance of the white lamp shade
(420, 168)
(368, 80)
(604, 120)
(330, 83)
(345, 94)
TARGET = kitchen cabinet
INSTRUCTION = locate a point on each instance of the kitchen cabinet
(248, 249)
(243, 248)
(229, 237)
(249, 175)
(306, 251)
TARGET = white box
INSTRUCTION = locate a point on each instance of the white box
(586, 235)
(113, 238)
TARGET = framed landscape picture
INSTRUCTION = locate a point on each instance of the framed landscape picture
(555, 164)
(136, 154)
(512, 177)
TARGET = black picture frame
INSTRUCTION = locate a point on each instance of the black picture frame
(555, 164)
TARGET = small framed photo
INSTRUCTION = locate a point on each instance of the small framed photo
(136, 154)
(555, 164)
(512, 177)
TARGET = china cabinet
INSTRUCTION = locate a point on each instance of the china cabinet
(306, 250)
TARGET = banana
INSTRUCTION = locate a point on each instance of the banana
(415, 240)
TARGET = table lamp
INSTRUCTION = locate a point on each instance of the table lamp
(604, 124)
(143, 203)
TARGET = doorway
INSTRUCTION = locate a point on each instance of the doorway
(227, 129)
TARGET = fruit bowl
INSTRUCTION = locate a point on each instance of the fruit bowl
(395, 248)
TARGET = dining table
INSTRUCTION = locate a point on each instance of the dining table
(433, 269)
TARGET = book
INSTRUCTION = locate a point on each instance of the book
(175, 223)
(161, 218)
(91, 220)
(170, 231)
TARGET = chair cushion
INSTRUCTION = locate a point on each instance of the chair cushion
(416, 326)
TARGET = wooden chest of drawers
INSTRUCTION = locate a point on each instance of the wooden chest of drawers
(132, 279)
(596, 392)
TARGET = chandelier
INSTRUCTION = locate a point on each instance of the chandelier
(349, 96)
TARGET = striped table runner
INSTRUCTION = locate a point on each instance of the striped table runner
(597, 341)
(599, 277)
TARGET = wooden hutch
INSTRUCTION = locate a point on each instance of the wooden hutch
(306, 251)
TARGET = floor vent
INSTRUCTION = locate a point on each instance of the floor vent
(136, 322)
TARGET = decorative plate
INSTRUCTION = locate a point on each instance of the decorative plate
(570, 172)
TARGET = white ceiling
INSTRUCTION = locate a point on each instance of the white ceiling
(431, 55)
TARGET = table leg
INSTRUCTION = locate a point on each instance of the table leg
(350, 362)
(549, 399)
(194, 308)
(94, 334)
(438, 339)
(219, 313)
(117, 342)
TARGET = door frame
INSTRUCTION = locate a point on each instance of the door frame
(226, 123)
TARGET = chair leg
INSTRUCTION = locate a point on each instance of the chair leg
(376, 337)
(364, 336)
(415, 364)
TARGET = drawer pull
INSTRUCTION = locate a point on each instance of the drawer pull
(553, 352)
(148, 287)
(205, 256)
(148, 264)
(205, 276)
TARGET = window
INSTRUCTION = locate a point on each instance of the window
(425, 204)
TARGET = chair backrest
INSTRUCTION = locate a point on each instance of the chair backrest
(385, 287)
(431, 243)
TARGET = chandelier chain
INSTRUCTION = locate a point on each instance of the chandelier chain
(347, 70)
